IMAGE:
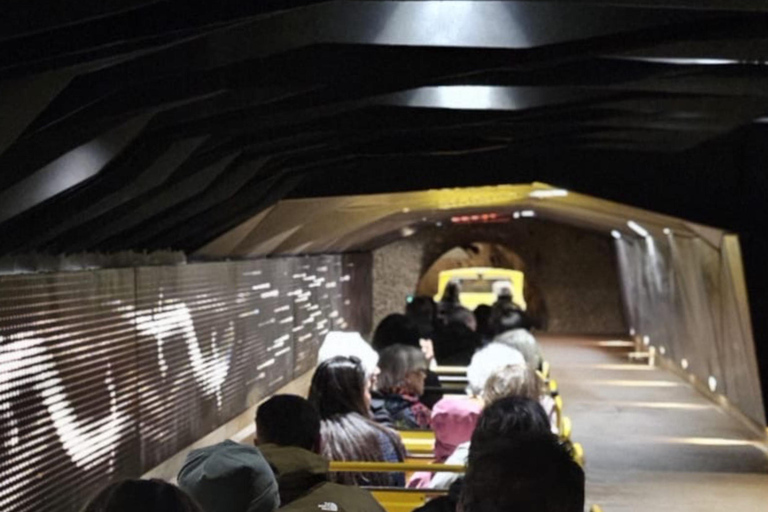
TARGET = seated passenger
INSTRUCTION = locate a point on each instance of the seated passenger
(448, 302)
(453, 421)
(505, 418)
(351, 344)
(525, 473)
(396, 329)
(400, 384)
(520, 380)
(483, 320)
(341, 394)
(288, 435)
(456, 342)
(506, 315)
(486, 361)
(524, 342)
(422, 311)
(143, 495)
(229, 477)
(399, 329)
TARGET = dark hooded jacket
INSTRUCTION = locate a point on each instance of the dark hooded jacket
(302, 480)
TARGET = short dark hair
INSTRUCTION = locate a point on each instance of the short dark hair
(483, 318)
(506, 315)
(422, 311)
(147, 495)
(288, 420)
(451, 292)
(462, 315)
(510, 417)
(528, 473)
(396, 329)
(421, 307)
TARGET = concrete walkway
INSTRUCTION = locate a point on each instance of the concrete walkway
(652, 442)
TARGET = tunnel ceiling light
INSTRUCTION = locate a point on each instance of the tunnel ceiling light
(684, 363)
(478, 218)
(615, 343)
(712, 381)
(616, 234)
(407, 231)
(541, 194)
(667, 231)
(697, 61)
(662, 350)
(637, 228)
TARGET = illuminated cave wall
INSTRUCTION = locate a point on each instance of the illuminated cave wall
(105, 374)
(575, 270)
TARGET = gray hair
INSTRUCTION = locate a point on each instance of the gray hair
(486, 361)
(524, 342)
(512, 380)
(395, 363)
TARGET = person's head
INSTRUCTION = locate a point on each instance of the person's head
(453, 421)
(524, 342)
(230, 477)
(483, 320)
(506, 316)
(512, 380)
(403, 370)
(396, 329)
(421, 309)
(349, 344)
(504, 294)
(463, 316)
(288, 420)
(455, 343)
(339, 386)
(144, 495)
(486, 361)
(451, 293)
(509, 417)
(528, 473)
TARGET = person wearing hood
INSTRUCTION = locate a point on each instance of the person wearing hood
(229, 477)
(288, 435)
(453, 421)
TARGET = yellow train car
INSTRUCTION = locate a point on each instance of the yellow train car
(481, 285)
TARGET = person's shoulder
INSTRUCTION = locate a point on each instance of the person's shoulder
(333, 497)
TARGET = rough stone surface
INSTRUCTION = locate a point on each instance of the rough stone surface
(573, 271)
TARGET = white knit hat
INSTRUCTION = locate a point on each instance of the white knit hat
(338, 343)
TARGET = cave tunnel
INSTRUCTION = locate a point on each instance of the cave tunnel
(193, 196)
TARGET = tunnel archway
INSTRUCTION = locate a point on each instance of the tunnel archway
(482, 254)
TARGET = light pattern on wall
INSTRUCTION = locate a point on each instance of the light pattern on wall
(105, 374)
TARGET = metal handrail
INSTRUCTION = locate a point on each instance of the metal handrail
(390, 467)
